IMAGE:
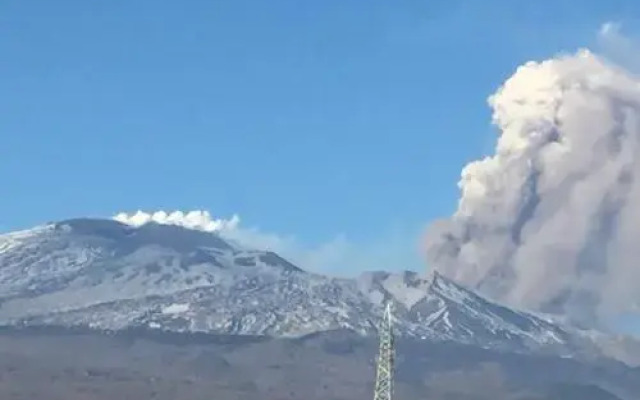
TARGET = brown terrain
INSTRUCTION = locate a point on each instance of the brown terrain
(38, 366)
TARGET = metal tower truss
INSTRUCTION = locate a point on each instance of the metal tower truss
(385, 363)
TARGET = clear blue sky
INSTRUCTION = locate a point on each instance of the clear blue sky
(309, 118)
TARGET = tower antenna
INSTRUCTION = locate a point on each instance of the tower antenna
(386, 354)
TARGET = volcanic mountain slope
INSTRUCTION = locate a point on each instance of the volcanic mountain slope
(107, 275)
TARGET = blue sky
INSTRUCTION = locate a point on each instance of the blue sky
(319, 120)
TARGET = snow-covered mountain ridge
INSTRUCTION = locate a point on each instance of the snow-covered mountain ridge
(108, 275)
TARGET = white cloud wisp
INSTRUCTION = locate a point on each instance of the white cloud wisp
(338, 256)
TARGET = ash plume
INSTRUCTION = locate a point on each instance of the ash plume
(551, 221)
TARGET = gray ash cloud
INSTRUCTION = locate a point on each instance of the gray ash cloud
(551, 221)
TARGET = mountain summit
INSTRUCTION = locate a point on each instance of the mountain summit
(107, 275)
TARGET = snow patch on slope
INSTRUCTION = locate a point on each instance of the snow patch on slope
(176, 308)
(13, 239)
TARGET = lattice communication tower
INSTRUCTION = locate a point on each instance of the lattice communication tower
(386, 354)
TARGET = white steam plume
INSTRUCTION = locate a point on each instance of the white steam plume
(336, 256)
(551, 221)
(199, 220)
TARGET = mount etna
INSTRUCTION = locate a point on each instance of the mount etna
(239, 313)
